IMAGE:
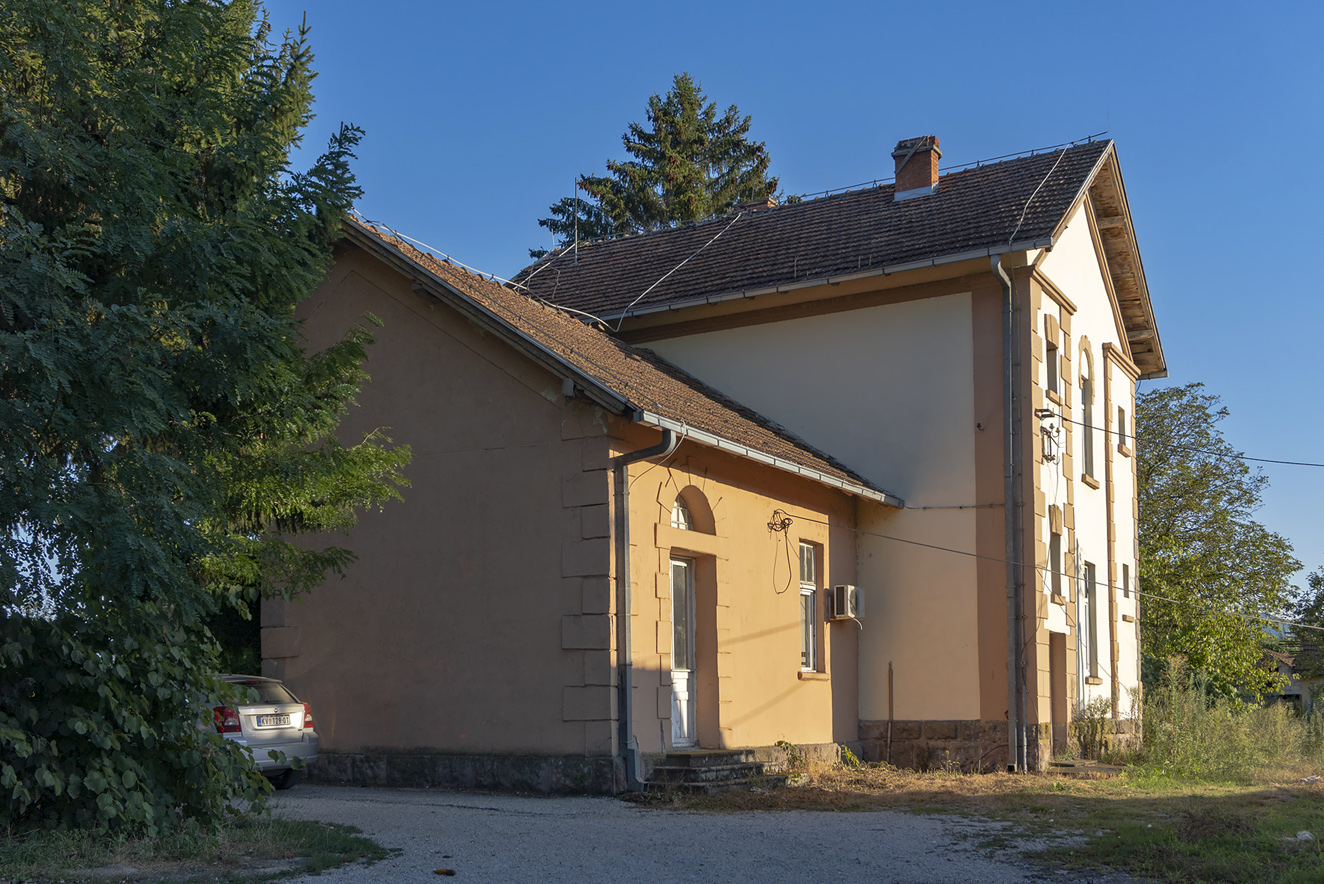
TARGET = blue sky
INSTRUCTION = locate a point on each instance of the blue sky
(479, 116)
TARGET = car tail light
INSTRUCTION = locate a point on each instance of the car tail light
(227, 720)
(307, 717)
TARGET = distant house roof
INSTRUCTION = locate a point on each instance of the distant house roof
(1286, 659)
(631, 381)
(1003, 207)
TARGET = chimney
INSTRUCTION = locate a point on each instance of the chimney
(767, 202)
(916, 166)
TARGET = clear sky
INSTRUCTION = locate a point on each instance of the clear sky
(480, 115)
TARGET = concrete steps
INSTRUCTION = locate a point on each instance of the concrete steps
(709, 771)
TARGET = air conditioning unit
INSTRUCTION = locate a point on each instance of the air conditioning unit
(847, 602)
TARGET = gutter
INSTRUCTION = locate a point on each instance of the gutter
(626, 743)
(885, 270)
(592, 388)
(652, 419)
(1016, 755)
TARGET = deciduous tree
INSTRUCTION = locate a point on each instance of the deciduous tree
(163, 434)
(1210, 572)
(688, 163)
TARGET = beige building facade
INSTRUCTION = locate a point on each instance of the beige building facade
(547, 610)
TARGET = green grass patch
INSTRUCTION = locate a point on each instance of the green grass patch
(245, 848)
(1242, 835)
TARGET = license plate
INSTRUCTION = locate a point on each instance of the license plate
(273, 721)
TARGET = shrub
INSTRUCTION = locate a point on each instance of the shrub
(1089, 725)
(1190, 732)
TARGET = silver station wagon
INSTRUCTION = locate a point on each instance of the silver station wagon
(277, 721)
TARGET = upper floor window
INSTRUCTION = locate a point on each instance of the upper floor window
(1087, 412)
(1052, 358)
(680, 515)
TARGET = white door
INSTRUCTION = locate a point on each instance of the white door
(682, 653)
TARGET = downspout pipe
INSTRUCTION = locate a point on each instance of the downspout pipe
(625, 740)
(1015, 729)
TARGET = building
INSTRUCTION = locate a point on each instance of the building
(903, 391)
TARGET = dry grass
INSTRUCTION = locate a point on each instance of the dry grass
(818, 786)
(1162, 827)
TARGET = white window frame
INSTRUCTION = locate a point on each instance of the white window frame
(809, 570)
(1087, 414)
(1055, 563)
(681, 517)
(1092, 590)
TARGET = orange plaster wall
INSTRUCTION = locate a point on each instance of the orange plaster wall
(477, 618)
(762, 696)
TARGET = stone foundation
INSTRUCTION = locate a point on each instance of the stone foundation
(549, 774)
(929, 745)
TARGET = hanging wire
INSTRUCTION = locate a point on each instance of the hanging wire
(1191, 448)
(624, 312)
(779, 525)
(1282, 621)
(1025, 210)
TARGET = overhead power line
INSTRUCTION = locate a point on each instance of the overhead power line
(1191, 448)
(1278, 621)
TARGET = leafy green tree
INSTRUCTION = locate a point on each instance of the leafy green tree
(1209, 569)
(163, 434)
(689, 163)
(1307, 637)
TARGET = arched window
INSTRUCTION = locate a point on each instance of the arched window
(680, 515)
(1087, 411)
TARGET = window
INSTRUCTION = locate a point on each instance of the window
(680, 515)
(1092, 618)
(1055, 562)
(1123, 432)
(808, 607)
(1051, 358)
(1126, 581)
(1087, 413)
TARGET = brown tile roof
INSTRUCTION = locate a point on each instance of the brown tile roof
(973, 210)
(645, 381)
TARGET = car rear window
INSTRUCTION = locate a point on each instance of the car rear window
(269, 692)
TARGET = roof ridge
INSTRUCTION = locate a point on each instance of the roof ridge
(812, 198)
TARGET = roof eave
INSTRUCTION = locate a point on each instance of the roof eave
(442, 290)
(591, 387)
(1106, 160)
(711, 440)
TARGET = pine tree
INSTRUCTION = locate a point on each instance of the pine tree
(688, 164)
(163, 434)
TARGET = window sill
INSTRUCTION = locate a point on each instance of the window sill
(1090, 481)
(1127, 618)
(1093, 679)
(1059, 599)
(807, 675)
(1123, 449)
(1053, 396)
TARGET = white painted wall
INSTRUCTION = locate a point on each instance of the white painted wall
(1075, 267)
(889, 391)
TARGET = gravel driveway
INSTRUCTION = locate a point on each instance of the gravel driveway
(506, 838)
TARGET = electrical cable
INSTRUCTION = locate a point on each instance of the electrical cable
(626, 311)
(1191, 448)
(1104, 584)
(1025, 210)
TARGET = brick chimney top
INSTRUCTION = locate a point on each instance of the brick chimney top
(767, 202)
(916, 166)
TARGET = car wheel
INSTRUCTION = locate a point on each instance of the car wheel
(287, 779)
